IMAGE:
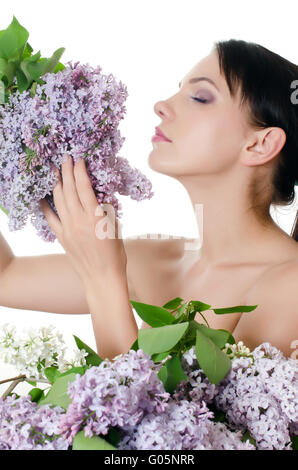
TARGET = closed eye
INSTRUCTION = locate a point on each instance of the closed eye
(201, 100)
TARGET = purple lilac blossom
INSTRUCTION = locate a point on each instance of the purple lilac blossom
(220, 437)
(184, 425)
(25, 426)
(76, 111)
(197, 386)
(259, 394)
(115, 393)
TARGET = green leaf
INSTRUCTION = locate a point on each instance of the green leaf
(36, 394)
(53, 61)
(36, 69)
(93, 359)
(212, 360)
(27, 51)
(31, 382)
(1, 207)
(81, 442)
(13, 40)
(135, 345)
(238, 308)
(10, 72)
(157, 340)
(294, 440)
(3, 65)
(173, 304)
(175, 374)
(52, 373)
(114, 436)
(159, 356)
(163, 374)
(33, 89)
(231, 339)
(74, 370)
(219, 337)
(191, 333)
(59, 67)
(188, 310)
(22, 81)
(57, 394)
(32, 67)
(152, 314)
(180, 315)
(200, 306)
(247, 436)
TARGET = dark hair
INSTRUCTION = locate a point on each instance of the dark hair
(265, 79)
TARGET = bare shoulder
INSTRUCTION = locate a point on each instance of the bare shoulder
(275, 318)
(280, 276)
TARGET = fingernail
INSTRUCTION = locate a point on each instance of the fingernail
(66, 157)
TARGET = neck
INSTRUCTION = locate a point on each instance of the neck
(229, 230)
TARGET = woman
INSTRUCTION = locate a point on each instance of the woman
(232, 141)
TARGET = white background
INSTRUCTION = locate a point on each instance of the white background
(150, 46)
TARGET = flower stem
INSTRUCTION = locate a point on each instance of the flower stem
(24, 377)
(13, 378)
(11, 387)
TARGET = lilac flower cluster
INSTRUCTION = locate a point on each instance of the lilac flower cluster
(184, 425)
(259, 394)
(76, 111)
(24, 426)
(115, 393)
(197, 387)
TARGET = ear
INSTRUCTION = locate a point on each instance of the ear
(263, 146)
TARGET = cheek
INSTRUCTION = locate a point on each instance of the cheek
(213, 144)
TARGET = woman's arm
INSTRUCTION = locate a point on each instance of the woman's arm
(6, 253)
(49, 283)
(114, 325)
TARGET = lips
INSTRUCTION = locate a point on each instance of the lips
(159, 132)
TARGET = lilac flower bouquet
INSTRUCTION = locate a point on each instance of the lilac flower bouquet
(72, 109)
(181, 386)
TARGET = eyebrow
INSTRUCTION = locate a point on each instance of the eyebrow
(198, 79)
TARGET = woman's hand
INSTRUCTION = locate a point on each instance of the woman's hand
(89, 234)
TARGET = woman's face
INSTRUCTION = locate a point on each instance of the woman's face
(207, 137)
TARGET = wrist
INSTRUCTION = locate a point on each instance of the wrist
(106, 283)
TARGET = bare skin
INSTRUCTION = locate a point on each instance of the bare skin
(215, 155)
(166, 271)
(172, 271)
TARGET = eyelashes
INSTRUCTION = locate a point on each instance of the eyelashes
(201, 100)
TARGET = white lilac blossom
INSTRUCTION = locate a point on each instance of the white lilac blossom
(237, 350)
(259, 394)
(25, 426)
(115, 393)
(184, 425)
(37, 348)
(76, 111)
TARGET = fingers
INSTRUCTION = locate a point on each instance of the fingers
(70, 192)
(58, 196)
(51, 217)
(84, 186)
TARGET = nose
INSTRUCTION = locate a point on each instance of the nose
(160, 108)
